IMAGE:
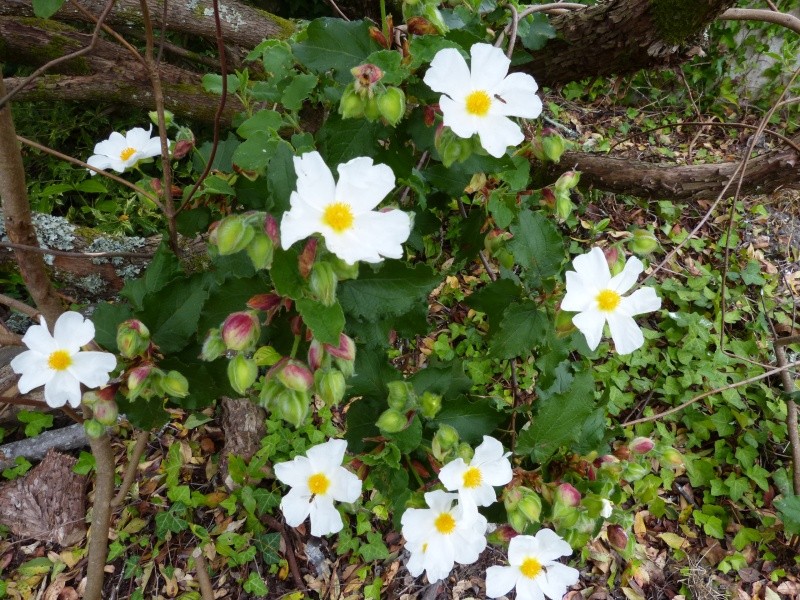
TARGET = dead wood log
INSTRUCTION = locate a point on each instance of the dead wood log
(35, 448)
(243, 426)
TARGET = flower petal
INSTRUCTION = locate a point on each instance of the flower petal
(625, 332)
(518, 92)
(300, 222)
(456, 117)
(346, 487)
(520, 547)
(592, 267)
(552, 545)
(528, 589)
(590, 323)
(33, 369)
(497, 133)
(556, 580)
(440, 501)
(62, 388)
(448, 74)
(500, 580)
(626, 279)
(315, 184)
(416, 560)
(417, 523)
(579, 296)
(73, 331)
(151, 148)
(325, 519)
(327, 457)
(92, 368)
(451, 474)
(488, 66)
(439, 560)
(643, 300)
(362, 184)
(38, 339)
(138, 137)
(489, 451)
(374, 235)
(295, 506)
(115, 144)
(102, 162)
(295, 473)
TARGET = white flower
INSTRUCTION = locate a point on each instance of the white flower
(474, 481)
(57, 362)
(318, 479)
(597, 298)
(120, 152)
(342, 212)
(534, 569)
(480, 98)
(442, 535)
(608, 507)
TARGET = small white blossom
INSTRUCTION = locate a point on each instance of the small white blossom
(480, 98)
(474, 481)
(57, 362)
(534, 569)
(597, 298)
(442, 535)
(121, 152)
(318, 479)
(608, 507)
(343, 212)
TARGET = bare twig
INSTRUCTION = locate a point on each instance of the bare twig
(791, 417)
(768, 16)
(8, 338)
(87, 255)
(120, 40)
(206, 589)
(337, 10)
(19, 306)
(276, 525)
(142, 438)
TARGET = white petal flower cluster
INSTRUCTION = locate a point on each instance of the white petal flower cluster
(121, 152)
(318, 479)
(58, 363)
(598, 299)
(533, 568)
(343, 211)
(475, 481)
(479, 98)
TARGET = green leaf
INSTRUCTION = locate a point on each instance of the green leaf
(472, 420)
(44, 9)
(84, 464)
(343, 139)
(255, 585)
(281, 178)
(164, 268)
(36, 421)
(255, 152)
(559, 419)
(424, 47)
(409, 438)
(298, 91)
(215, 185)
(286, 275)
(493, 300)
(451, 180)
(448, 380)
(394, 289)
(174, 314)
(361, 417)
(537, 246)
(737, 487)
(269, 544)
(193, 221)
(326, 322)
(372, 373)
(334, 44)
(375, 549)
(503, 208)
(169, 521)
(106, 318)
(535, 30)
(230, 296)
(268, 121)
(524, 326)
(212, 83)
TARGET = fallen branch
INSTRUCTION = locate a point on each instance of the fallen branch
(35, 448)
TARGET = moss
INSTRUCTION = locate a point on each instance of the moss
(286, 27)
(57, 46)
(678, 20)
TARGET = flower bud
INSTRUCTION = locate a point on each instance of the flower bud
(133, 338)
(94, 429)
(351, 106)
(90, 398)
(291, 406)
(316, 354)
(400, 394)
(564, 206)
(517, 520)
(553, 147)
(175, 384)
(392, 105)
(465, 451)
(346, 350)
(634, 471)
(420, 26)
(241, 331)
(105, 412)
(451, 148)
(232, 235)
(344, 270)
(446, 437)
(181, 149)
(271, 389)
(377, 35)
(366, 76)
(671, 458)
(242, 373)
(501, 535)
(142, 381)
(392, 421)
(331, 385)
(260, 250)
(213, 346)
(296, 376)
(643, 242)
(435, 17)
(430, 404)
(567, 181)
(323, 282)
(617, 536)
(568, 495)
(548, 198)
(264, 302)
(371, 111)
(272, 229)
(642, 445)
(530, 505)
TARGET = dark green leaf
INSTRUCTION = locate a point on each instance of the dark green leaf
(325, 322)
(409, 438)
(264, 120)
(361, 417)
(269, 544)
(448, 380)
(182, 306)
(298, 91)
(494, 299)
(285, 274)
(334, 44)
(44, 9)
(281, 177)
(193, 221)
(254, 153)
(343, 139)
(524, 326)
(537, 246)
(227, 298)
(535, 30)
(472, 419)
(372, 373)
(424, 47)
(164, 268)
(106, 318)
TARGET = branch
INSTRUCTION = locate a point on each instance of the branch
(101, 516)
(767, 16)
(142, 438)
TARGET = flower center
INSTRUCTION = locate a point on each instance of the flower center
(127, 153)
(445, 523)
(530, 567)
(472, 477)
(318, 484)
(59, 360)
(478, 103)
(338, 217)
(608, 300)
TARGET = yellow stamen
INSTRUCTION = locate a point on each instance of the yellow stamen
(338, 217)
(59, 360)
(608, 300)
(530, 567)
(318, 483)
(445, 523)
(472, 477)
(424, 547)
(127, 153)
(478, 103)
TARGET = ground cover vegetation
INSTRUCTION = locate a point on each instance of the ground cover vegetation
(438, 299)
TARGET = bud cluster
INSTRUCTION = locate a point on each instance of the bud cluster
(254, 232)
(367, 97)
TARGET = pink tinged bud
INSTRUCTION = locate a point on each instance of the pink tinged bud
(133, 338)
(138, 376)
(182, 148)
(106, 412)
(568, 495)
(608, 458)
(272, 230)
(307, 256)
(617, 536)
(346, 350)
(548, 198)
(316, 354)
(366, 75)
(296, 376)
(612, 255)
(241, 331)
(264, 302)
(642, 445)
(94, 429)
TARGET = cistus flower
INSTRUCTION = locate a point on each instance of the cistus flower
(442, 535)
(57, 362)
(474, 481)
(480, 98)
(317, 479)
(343, 212)
(121, 152)
(597, 298)
(534, 570)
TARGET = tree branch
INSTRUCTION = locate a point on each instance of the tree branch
(766, 16)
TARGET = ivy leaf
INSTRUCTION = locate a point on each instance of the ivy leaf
(269, 544)
(375, 549)
(559, 420)
(44, 9)
(169, 521)
(326, 322)
(333, 44)
(255, 585)
(537, 247)
(523, 327)
(472, 420)
(394, 289)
